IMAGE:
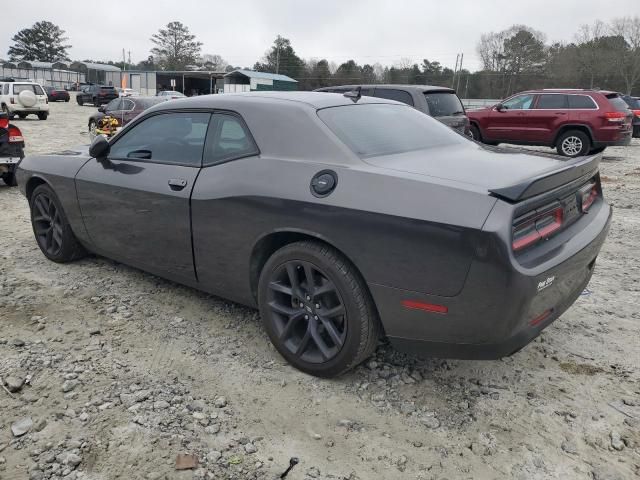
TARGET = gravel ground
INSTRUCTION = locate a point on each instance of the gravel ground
(113, 373)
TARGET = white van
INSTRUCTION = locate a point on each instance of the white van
(22, 98)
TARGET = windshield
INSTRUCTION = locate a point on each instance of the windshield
(372, 130)
(443, 104)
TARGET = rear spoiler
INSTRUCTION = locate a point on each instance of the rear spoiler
(573, 169)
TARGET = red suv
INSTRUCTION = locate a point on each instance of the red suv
(575, 122)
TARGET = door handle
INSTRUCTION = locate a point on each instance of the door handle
(177, 183)
(561, 113)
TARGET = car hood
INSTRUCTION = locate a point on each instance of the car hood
(472, 164)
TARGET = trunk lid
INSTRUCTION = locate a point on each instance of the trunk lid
(509, 174)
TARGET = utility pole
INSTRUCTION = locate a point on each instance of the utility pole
(278, 58)
(453, 79)
(124, 61)
(129, 52)
(459, 71)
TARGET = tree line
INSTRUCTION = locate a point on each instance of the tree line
(602, 55)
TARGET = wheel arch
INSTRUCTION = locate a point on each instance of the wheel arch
(271, 242)
(33, 183)
(572, 126)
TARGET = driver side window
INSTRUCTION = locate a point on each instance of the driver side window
(174, 138)
(519, 102)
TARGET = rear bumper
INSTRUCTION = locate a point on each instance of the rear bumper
(613, 138)
(501, 308)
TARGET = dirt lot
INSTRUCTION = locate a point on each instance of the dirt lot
(124, 371)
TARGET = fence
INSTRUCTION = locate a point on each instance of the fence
(45, 76)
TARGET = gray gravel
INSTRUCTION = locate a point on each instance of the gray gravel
(119, 371)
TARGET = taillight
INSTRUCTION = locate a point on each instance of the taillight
(536, 226)
(617, 117)
(15, 135)
(588, 195)
(4, 122)
(636, 113)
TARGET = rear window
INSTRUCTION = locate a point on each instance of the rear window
(551, 101)
(633, 103)
(618, 103)
(581, 101)
(443, 104)
(37, 89)
(393, 94)
(372, 130)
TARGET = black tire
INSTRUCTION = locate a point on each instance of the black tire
(573, 143)
(66, 100)
(96, 102)
(9, 179)
(47, 220)
(5, 109)
(22, 116)
(597, 150)
(340, 307)
(80, 100)
(42, 115)
(475, 133)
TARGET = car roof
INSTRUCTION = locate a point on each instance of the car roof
(316, 100)
(570, 91)
(385, 86)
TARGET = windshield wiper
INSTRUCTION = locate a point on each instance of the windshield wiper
(459, 112)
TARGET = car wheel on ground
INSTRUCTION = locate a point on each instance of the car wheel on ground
(317, 309)
(475, 133)
(22, 116)
(96, 102)
(66, 100)
(80, 101)
(5, 109)
(9, 179)
(43, 115)
(51, 228)
(573, 143)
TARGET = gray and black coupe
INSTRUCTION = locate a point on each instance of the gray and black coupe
(342, 218)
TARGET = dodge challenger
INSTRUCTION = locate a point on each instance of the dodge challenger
(343, 218)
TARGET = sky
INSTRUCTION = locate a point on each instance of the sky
(367, 31)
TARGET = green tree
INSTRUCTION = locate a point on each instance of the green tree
(281, 58)
(175, 47)
(43, 42)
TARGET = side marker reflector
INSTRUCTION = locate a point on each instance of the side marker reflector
(540, 318)
(426, 307)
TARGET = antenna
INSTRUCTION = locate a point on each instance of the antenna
(355, 94)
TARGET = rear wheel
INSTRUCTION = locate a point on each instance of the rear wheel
(80, 100)
(316, 309)
(51, 228)
(96, 102)
(43, 115)
(573, 143)
(22, 116)
(9, 179)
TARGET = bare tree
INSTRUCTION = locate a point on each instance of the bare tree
(213, 62)
(627, 55)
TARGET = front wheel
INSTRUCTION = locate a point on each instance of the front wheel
(80, 101)
(51, 228)
(475, 133)
(316, 309)
(573, 143)
(43, 115)
(96, 102)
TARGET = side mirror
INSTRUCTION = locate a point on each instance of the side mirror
(500, 107)
(99, 148)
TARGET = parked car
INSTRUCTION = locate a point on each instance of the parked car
(96, 95)
(23, 98)
(123, 110)
(11, 149)
(170, 94)
(57, 94)
(575, 122)
(634, 106)
(439, 102)
(339, 217)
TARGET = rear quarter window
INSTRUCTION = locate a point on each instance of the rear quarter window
(393, 94)
(443, 104)
(581, 101)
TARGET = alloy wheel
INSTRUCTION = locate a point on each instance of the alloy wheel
(307, 311)
(571, 146)
(47, 224)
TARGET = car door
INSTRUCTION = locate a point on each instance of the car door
(135, 202)
(510, 122)
(550, 111)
